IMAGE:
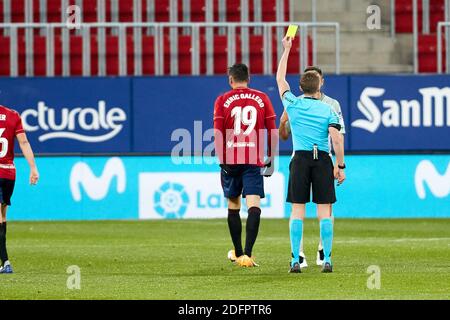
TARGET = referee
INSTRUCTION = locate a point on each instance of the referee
(311, 122)
(285, 132)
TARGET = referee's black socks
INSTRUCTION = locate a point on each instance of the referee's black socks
(252, 227)
(235, 226)
(3, 252)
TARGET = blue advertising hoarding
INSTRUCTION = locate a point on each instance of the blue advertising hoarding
(72, 115)
(158, 187)
(166, 104)
(120, 115)
(400, 113)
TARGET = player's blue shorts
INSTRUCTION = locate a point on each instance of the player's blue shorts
(242, 179)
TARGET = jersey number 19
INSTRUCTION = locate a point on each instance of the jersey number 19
(247, 116)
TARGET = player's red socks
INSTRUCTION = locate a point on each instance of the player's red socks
(252, 228)
(235, 226)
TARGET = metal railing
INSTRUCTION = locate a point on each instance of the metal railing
(158, 30)
(426, 30)
(439, 48)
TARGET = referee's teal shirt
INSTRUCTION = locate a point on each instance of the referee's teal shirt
(309, 119)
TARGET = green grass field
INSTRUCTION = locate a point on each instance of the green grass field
(187, 260)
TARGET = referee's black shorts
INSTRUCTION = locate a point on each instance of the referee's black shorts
(304, 171)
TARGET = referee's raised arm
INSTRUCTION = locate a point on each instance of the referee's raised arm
(283, 85)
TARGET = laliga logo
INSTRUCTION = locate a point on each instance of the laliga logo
(88, 119)
(171, 200)
(97, 188)
(409, 113)
(438, 184)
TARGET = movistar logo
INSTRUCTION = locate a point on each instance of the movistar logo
(404, 113)
(438, 184)
(97, 188)
(171, 200)
(87, 124)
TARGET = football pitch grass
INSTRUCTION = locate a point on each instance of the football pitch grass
(187, 260)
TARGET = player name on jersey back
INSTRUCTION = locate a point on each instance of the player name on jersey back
(251, 96)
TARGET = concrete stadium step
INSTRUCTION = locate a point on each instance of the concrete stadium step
(362, 50)
(356, 42)
(378, 69)
(333, 5)
(368, 59)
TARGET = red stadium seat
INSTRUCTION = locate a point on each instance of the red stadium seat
(40, 56)
(36, 11)
(4, 56)
(126, 10)
(18, 11)
(233, 10)
(256, 55)
(198, 10)
(53, 11)
(148, 55)
(428, 53)
(404, 15)
(89, 11)
(162, 11)
(185, 55)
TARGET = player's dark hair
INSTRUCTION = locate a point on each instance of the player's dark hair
(314, 68)
(239, 72)
(310, 82)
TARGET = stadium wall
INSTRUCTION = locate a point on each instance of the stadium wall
(126, 122)
(160, 187)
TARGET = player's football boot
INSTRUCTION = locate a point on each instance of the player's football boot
(303, 263)
(6, 269)
(327, 268)
(246, 261)
(232, 256)
(320, 257)
(295, 268)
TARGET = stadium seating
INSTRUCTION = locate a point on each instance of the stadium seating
(404, 15)
(428, 53)
(126, 14)
(427, 42)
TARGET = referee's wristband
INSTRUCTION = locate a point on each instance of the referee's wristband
(341, 167)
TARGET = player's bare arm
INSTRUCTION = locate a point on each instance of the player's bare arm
(283, 85)
(28, 154)
(284, 129)
(338, 146)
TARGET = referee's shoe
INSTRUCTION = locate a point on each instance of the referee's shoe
(327, 268)
(302, 259)
(295, 268)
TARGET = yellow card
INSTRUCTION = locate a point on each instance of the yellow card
(292, 31)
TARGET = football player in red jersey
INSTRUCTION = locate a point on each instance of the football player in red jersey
(10, 128)
(241, 118)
